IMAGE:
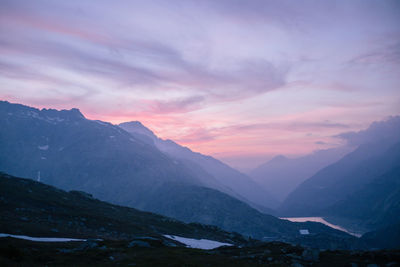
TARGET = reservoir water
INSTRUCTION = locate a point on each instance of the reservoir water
(320, 220)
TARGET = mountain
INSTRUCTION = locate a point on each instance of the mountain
(216, 174)
(35, 209)
(384, 238)
(338, 181)
(66, 150)
(281, 175)
(376, 205)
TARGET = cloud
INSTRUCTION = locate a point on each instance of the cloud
(384, 55)
(387, 130)
(75, 59)
(198, 136)
(321, 143)
(177, 105)
(291, 126)
(20, 72)
(23, 18)
(241, 80)
(209, 134)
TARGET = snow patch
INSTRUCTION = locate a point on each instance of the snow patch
(52, 120)
(32, 114)
(45, 147)
(42, 239)
(304, 232)
(198, 243)
(58, 119)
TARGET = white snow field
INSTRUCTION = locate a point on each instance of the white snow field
(198, 243)
(42, 239)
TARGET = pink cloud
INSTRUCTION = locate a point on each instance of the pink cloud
(22, 19)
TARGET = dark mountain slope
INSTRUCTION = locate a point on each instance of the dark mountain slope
(384, 238)
(210, 205)
(376, 205)
(281, 175)
(339, 180)
(32, 208)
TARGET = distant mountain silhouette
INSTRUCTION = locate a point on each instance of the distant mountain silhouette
(376, 205)
(281, 175)
(214, 173)
(379, 157)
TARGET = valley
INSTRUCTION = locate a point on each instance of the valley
(200, 133)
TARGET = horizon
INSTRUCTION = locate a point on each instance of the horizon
(240, 81)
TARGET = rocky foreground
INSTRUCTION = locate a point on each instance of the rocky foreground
(119, 236)
(149, 251)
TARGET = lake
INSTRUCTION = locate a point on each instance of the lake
(320, 220)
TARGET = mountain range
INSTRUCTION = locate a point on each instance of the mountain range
(361, 190)
(129, 165)
(281, 175)
(213, 172)
(66, 150)
(376, 205)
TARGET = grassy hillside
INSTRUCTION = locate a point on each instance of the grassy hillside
(32, 208)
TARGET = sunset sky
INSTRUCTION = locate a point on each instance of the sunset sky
(239, 80)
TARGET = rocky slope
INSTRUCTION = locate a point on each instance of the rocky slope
(35, 209)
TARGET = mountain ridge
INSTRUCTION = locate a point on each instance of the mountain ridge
(223, 177)
(282, 175)
(377, 154)
(114, 166)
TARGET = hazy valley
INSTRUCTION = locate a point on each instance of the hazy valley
(200, 133)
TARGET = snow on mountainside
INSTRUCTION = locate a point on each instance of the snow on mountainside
(42, 239)
(198, 243)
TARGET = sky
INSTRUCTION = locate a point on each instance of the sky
(241, 80)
